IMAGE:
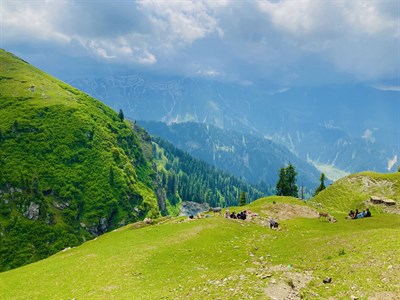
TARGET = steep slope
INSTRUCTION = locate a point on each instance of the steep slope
(214, 257)
(354, 192)
(251, 157)
(70, 167)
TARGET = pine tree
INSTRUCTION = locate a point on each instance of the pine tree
(321, 185)
(242, 200)
(291, 181)
(121, 115)
(286, 185)
(281, 185)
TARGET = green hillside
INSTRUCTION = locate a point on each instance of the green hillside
(354, 191)
(218, 258)
(70, 167)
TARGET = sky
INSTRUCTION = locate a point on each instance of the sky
(286, 42)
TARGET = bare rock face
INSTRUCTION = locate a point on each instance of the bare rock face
(32, 213)
(103, 225)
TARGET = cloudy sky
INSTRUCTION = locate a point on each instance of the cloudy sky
(284, 42)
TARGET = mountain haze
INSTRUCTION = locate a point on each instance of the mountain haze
(339, 128)
(251, 157)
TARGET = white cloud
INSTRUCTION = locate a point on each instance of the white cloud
(392, 88)
(180, 23)
(30, 21)
(357, 37)
(287, 41)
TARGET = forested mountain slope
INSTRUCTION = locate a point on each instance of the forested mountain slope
(184, 178)
(251, 157)
(70, 167)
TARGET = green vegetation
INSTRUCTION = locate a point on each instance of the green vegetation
(210, 258)
(286, 185)
(321, 186)
(354, 191)
(70, 168)
(183, 178)
(242, 200)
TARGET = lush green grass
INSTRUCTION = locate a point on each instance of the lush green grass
(214, 257)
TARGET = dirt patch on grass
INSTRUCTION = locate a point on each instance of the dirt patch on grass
(384, 295)
(288, 211)
(288, 285)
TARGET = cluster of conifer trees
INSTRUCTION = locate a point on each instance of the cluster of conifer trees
(188, 179)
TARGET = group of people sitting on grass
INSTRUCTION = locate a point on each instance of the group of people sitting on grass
(242, 215)
(359, 215)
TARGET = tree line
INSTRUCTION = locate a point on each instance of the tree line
(185, 178)
(287, 183)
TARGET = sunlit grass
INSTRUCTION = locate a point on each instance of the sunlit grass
(220, 258)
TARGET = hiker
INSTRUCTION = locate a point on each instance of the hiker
(227, 214)
(233, 215)
(351, 214)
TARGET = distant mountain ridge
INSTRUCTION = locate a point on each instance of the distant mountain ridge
(343, 129)
(249, 156)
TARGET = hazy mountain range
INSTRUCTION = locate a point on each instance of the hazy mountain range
(339, 129)
(246, 155)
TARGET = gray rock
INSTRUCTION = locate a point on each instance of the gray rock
(32, 212)
(188, 208)
(61, 206)
(103, 224)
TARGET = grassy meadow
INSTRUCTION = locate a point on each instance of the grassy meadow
(218, 258)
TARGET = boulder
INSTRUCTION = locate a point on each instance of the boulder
(32, 213)
(376, 199)
(389, 202)
(188, 208)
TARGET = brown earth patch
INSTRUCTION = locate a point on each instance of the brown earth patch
(289, 211)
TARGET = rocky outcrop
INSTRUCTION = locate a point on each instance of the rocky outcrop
(188, 208)
(60, 206)
(32, 213)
